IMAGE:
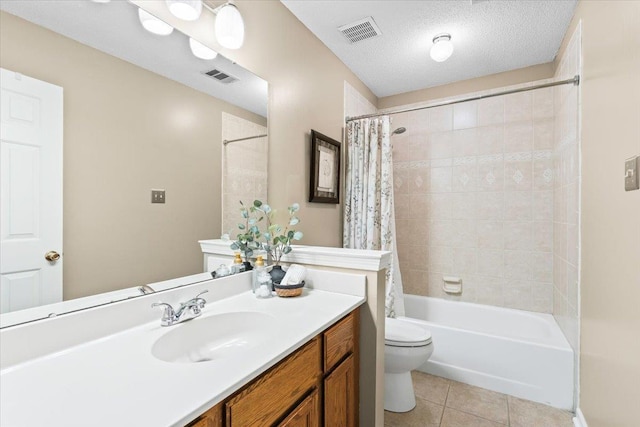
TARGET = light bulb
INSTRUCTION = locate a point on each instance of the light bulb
(200, 50)
(153, 24)
(188, 10)
(229, 27)
(442, 48)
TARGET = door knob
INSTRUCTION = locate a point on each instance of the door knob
(52, 256)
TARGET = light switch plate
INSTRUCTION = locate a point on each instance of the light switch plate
(157, 196)
(631, 181)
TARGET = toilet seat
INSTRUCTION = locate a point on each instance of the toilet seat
(399, 333)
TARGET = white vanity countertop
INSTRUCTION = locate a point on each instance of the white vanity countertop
(116, 381)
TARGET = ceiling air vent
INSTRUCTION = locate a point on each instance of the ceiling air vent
(360, 30)
(221, 76)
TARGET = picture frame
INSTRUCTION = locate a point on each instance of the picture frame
(324, 182)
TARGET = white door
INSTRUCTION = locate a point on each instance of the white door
(31, 192)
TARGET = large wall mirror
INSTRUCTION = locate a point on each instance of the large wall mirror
(139, 112)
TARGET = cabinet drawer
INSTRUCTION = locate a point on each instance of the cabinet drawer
(339, 341)
(268, 398)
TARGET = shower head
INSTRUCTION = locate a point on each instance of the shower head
(399, 131)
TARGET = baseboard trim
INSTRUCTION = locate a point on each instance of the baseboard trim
(578, 420)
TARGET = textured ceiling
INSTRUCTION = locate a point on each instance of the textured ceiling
(489, 36)
(114, 28)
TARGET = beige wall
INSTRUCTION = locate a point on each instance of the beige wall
(306, 91)
(126, 130)
(610, 257)
(493, 81)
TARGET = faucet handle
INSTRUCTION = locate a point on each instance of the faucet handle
(168, 314)
(201, 301)
(201, 293)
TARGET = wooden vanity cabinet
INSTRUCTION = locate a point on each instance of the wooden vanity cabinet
(315, 386)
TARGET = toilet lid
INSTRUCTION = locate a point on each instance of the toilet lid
(399, 333)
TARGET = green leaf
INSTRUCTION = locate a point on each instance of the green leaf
(241, 226)
(286, 249)
(294, 220)
(257, 203)
(290, 234)
(234, 246)
(245, 213)
(267, 236)
(254, 229)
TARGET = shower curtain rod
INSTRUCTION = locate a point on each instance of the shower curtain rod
(575, 80)
(229, 141)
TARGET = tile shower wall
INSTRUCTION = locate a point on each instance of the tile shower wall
(244, 168)
(566, 191)
(474, 198)
(355, 104)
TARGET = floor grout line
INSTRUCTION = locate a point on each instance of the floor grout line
(444, 405)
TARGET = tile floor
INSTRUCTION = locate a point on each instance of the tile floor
(445, 403)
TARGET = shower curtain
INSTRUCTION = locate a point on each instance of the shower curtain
(369, 221)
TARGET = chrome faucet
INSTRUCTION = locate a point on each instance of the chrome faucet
(187, 311)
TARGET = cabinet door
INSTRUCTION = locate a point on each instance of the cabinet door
(267, 399)
(340, 406)
(306, 414)
(211, 418)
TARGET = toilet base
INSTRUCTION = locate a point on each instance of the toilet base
(398, 392)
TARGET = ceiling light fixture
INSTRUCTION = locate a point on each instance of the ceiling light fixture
(442, 47)
(188, 10)
(201, 51)
(153, 24)
(229, 26)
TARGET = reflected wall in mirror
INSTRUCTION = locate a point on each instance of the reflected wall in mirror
(139, 113)
(244, 168)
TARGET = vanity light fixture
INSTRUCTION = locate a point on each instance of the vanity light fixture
(188, 10)
(442, 47)
(229, 26)
(201, 51)
(153, 24)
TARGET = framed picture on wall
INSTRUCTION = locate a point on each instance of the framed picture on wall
(324, 186)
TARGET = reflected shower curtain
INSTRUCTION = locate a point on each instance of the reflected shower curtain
(369, 220)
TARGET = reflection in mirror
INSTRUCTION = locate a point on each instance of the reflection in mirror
(137, 112)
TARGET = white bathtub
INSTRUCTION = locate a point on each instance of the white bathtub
(515, 352)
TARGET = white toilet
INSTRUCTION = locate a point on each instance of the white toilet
(406, 347)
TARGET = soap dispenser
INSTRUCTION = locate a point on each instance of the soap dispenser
(238, 266)
(261, 279)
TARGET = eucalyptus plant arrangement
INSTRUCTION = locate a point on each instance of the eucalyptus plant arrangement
(276, 239)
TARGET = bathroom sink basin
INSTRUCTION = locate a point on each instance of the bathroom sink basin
(214, 337)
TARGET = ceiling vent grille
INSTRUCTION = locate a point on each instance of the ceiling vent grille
(221, 76)
(360, 30)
